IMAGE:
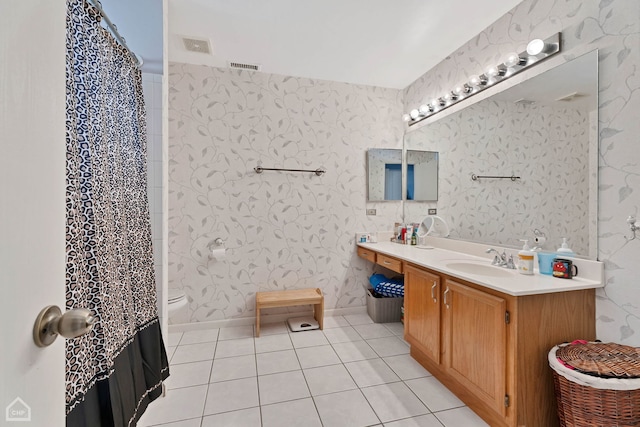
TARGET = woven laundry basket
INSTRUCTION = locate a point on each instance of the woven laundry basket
(610, 399)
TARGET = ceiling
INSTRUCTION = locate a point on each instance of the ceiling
(372, 42)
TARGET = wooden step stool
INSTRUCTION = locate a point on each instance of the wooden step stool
(290, 298)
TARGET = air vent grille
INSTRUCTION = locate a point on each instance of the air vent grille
(196, 45)
(244, 66)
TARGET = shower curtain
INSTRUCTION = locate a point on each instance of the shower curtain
(113, 372)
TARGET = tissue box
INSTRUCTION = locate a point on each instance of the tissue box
(385, 309)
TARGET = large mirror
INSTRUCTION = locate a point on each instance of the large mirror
(384, 174)
(543, 130)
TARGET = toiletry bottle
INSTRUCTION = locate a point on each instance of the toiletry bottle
(565, 250)
(408, 234)
(525, 259)
(414, 237)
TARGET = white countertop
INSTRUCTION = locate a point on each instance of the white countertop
(513, 283)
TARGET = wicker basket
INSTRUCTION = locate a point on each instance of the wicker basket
(585, 400)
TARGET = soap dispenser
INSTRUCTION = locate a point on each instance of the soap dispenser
(525, 259)
(565, 250)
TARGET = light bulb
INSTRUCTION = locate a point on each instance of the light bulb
(414, 114)
(463, 89)
(450, 96)
(496, 71)
(480, 80)
(535, 47)
(406, 117)
(425, 109)
(514, 59)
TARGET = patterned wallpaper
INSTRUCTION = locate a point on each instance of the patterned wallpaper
(613, 26)
(282, 230)
(547, 146)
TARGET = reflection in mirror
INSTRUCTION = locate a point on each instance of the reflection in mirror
(384, 174)
(544, 130)
(422, 175)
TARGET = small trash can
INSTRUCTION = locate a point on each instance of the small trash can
(596, 384)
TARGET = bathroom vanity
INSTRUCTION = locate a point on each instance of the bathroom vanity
(485, 331)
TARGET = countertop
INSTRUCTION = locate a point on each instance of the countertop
(510, 282)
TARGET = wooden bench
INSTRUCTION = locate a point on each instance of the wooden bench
(290, 298)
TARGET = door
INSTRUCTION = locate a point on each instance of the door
(32, 207)
(422, 311)
(475, 335)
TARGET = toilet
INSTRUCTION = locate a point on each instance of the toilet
(177, 307)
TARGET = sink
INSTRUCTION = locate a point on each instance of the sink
(480, 269)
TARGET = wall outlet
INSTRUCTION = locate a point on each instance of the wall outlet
(371, 211)
(432, 211)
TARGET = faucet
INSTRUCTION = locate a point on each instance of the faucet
(501, 260)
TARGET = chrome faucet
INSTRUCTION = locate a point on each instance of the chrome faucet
(500, 259)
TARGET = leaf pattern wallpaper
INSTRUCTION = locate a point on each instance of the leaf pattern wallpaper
(292, 230)
(282, 230)
(613, 27)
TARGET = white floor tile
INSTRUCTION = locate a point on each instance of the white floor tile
(342, 334)
(358, 319)
(436, 396)
(233, 368)
(308, 338)
(238, 347)
(328, 379)
(372, 330)
(312, 357)
(193, 353)
(179, 404)
(354, 351)
(460, 417)
(289, 414)
(196, 337)
(428, 420)
(231, 396)
(334, 322)
(345, 409)
(389, 346)
(235, 332)
(277, 361)
(189, 374)
(281, 387)
(273, 328)
(371, 372)
(244, 417)
(174, 339)
(273, 343)
(406, 367)
(394, 401)
(396, 328)
(193, 422)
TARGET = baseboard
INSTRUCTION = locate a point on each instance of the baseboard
(266, 318)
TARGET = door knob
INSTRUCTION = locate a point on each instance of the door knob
(51, 322)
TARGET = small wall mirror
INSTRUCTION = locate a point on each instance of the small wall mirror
(384, 174)
(422, 175)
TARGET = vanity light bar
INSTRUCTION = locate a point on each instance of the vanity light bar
(537, 50)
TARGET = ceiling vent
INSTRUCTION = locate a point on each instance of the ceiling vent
(244, 66)
(571, 97)
(196, 45)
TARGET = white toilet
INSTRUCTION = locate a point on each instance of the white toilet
(177, 307)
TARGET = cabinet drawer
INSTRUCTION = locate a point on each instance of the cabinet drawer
(390, 263)
(366, 254)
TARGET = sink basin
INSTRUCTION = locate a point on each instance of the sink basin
(480, 269)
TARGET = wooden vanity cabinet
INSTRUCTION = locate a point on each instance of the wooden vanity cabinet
(490, 348)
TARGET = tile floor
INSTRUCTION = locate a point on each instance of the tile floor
(354, 373)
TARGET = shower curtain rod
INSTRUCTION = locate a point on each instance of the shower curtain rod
(114, 30)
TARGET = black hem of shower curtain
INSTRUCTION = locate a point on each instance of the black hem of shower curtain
(135, 381)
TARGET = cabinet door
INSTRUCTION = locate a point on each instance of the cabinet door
(422, 311)
(475, 344)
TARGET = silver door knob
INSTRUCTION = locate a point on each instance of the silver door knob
(51, 322)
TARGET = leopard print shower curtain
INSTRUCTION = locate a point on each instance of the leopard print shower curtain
(113, 372)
